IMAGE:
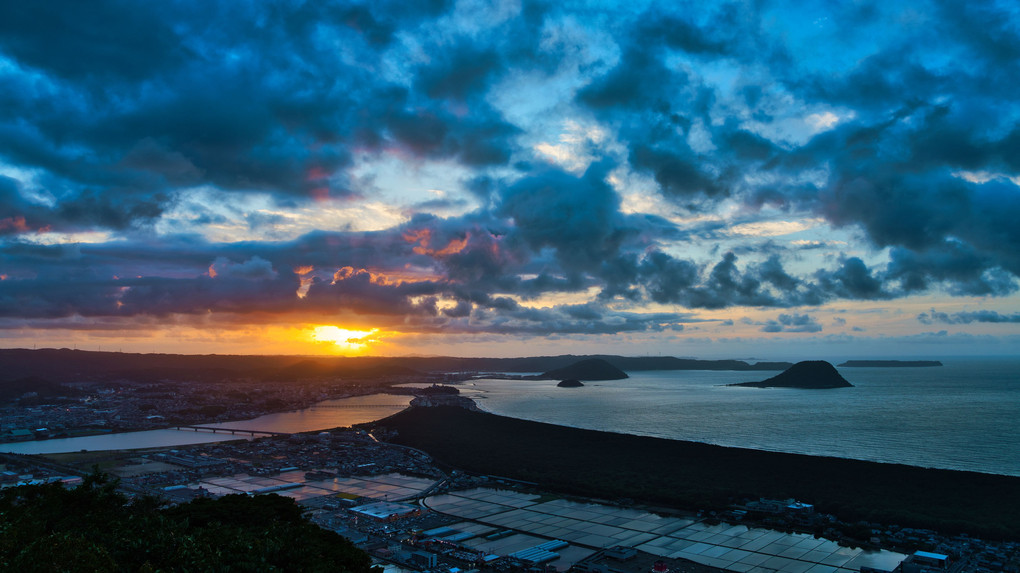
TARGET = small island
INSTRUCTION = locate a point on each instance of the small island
(890, 364)
(569, 384)
(809, 374)
(590, 369)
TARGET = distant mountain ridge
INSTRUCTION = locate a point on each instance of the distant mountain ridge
(890, 364)
(66, 365)
(590, 369)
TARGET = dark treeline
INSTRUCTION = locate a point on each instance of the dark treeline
(95, 528)
(66, 365)
(694, 475)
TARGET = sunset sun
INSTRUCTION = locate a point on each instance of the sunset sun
(344, 339)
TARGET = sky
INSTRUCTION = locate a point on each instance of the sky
(469, 178)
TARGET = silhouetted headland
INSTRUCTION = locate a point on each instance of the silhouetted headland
(810, 374)
(569, 384)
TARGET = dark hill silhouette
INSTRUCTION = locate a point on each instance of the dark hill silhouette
(314, 369)
(810, 374)
(385, 370)
(307, 370)
(569, 384)
(591, 369)
(66, 365)
(12, 389)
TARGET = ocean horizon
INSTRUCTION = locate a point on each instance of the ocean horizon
(959, 416)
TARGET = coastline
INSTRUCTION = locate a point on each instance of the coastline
(696, 475)
(753, 449)
(898, 416)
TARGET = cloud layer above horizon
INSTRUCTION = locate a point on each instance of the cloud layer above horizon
(507, 168)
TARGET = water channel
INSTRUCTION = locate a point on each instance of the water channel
(320, 416)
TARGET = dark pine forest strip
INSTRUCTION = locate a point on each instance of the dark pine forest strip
(695, 475)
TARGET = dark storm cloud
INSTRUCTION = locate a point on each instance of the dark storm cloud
(853, 280)
(920, 118)
(792, 323)
(964, 269)
(17, 216)
(639, 80)
(436, 134)
(462, 72)
(132, 101)
(772, 271)
(677, 281)
(72, 39)
(110, 110)
(677, 171)
(667, 279)
(988, 316)
(587, 319)
(524, 248)
(579, 217)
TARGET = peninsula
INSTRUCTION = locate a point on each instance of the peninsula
(809, 374)
(890, 363)
(696, 475)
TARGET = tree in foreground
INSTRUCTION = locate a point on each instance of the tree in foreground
(95, 528)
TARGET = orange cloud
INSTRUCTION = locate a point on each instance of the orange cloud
(421, 236)
(388, 278)
(424, 239)
(16, 224)
(455, 246)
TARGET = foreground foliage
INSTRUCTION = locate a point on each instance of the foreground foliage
(95, 528)
(695, 475)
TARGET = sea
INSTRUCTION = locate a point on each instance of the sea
(964, 415)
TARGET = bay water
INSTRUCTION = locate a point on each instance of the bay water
(964, 415)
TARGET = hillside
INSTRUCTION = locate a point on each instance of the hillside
(67, 365)
(590, 369)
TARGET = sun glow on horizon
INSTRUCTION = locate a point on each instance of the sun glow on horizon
(344, 339)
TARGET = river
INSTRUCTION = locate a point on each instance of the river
(320, 416)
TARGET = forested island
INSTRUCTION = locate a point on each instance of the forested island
(809, 375)
(695, 475)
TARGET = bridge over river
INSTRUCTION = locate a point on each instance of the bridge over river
(353, 406)
(232, 431)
